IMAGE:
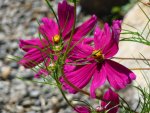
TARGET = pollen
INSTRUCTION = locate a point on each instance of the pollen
(56, 39)
(97, 54)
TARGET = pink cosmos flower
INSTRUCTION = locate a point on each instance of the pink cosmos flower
(94, 62)
(112, 103)
(37, 50)
(111, 106)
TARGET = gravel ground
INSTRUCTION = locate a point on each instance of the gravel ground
(18, 17)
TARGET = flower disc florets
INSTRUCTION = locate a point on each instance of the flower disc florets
(58, 46)
(56, 39)
(97, 54)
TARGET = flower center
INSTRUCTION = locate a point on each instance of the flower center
(56, 39)
(97, 54)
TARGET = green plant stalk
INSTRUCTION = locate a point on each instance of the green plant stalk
(63, 94)
(53, 12)
(71, 36)
(142, 41)
(127, 58)
(59, 86)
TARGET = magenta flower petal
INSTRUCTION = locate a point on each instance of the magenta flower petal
(99, 79)
(83, 29)
(99, 38)
(79, 77)
(113, 101)
(104, 41)
(116, 29)
(88, 40)
(69, 68)
(118, 75)
(82, 109)
(27, 45)
(111, 46)
(66, 17)
(81, 51)
(49, 28)
(33, 58)
(112, 49)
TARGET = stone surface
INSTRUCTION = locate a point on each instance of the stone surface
(34, 93)
(18, 18)
(137, 20)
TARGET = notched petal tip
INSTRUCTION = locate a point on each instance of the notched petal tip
(118, 75)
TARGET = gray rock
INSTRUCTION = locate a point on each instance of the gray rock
(27, 103)
(2, 54)
(35, 108)
(63, 104)
(26, 74)
(17, 91)
(31, 112)
(37, 102)
(35, 93)
(4, 87)
(61, 111)
(50, 111)
(19, 109)
(49, 106)
(69, 110)
(14, 45)
(13, 74)
(14, 65)
(54, 100)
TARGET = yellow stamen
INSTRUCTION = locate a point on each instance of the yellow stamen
(97, 54)
(56, 39)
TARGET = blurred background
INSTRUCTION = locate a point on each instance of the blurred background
(18, 20)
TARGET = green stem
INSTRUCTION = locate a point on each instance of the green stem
(56, 73)
(71, 36)
(63, 94)
(49, 5)
(127, 58)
